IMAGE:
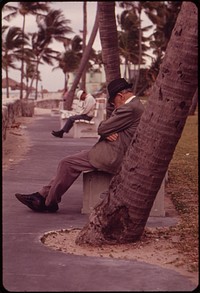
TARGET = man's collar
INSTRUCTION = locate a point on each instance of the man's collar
(129, 99)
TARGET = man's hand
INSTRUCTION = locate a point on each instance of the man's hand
(112, 137)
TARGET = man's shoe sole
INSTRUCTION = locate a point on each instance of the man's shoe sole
(35, 204)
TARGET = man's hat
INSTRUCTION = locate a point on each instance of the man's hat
(117, 85)
(79, 94)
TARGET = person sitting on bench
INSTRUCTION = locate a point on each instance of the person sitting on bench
(87, 113)
(107, 154)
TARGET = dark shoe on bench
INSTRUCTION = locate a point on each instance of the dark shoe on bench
(36, 202)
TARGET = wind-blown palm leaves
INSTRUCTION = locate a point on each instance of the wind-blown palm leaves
(69, 60)
(53, 26)
(25, 8)
(12, 41)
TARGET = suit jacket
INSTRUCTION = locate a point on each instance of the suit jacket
(107, 156)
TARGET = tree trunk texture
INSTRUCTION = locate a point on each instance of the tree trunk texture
(109, 40)
(139, 55)
(7, 80)
(122, 215)
(22, 63)
(84, 60)
(83, 79)
(109, 43)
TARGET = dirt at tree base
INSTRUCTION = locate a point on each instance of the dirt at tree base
(155, 247)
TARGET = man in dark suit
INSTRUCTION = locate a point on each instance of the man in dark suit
(106, 155)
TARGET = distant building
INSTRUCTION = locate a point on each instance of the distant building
(95, 80)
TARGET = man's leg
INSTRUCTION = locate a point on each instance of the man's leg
(69, 124)
(68, 171)
(47, 199)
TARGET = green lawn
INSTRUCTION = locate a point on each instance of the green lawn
(183, 190)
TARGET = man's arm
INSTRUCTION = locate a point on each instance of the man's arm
(121, 119)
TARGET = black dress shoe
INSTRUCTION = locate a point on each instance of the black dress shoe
(58, 133)
(36, 202)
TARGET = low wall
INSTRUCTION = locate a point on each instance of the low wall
(15, 108)
(47, 104)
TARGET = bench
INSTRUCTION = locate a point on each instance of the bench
(96, 182)
(85, 128)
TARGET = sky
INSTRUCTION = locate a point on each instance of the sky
(73, 11)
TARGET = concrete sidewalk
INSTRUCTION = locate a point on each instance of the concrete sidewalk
(28, 265)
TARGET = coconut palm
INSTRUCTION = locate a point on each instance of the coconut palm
(132, 43)
(11, 48)
(83, 79)
(25, 8)
(69, 60)
(109, 43)
(83, 63)
(163, 15)
(40, 55)
(122, 215)
(53, 26)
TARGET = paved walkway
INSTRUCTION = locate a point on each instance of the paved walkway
(29, 266)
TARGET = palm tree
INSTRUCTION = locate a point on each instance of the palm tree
(163, 15)
(132, 43)
(40, 54)
(122, 215)
(83, 79)
(25, 8)
(83, 63)
(11, 45)
(53, 26)
(69, 60)
(109, 43)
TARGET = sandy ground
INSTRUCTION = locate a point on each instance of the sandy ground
(157, 246)
(17, 142)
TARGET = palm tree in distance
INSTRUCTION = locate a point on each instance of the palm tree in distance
(53, 26)
(83, 79)
(40, 54)
(83, 63)
(11, 49)
(132, 43)
(69, 60)
(25, 8)
(163, 15)
(122, 215)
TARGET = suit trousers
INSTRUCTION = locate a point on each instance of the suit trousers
(70, 121)
(68, 170)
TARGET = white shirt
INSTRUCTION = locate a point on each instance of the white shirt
(88, 105)
(129, 99)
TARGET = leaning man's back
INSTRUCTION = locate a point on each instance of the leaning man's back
(106, 155)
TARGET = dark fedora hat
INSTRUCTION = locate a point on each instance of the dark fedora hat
(117, 85)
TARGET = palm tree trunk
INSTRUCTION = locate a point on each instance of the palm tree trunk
(83, 80)
(35, 71)
(109, 40)
(122, 215)
(7, 80)
(36, 86)
(22, 64)
(84, 60)
(140, 52)
(109, 43)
